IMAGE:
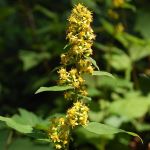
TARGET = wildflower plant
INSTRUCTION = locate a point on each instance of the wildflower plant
(75, 63)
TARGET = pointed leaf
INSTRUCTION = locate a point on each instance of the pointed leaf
(103, 73)
(99, 128)
(26, 117)
(94, 63)
(53, 88)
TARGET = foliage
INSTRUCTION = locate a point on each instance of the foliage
(31, 41)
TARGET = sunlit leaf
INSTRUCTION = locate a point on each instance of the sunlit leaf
(16, 126)
(99, 128)
(124, 107)
(26, 118)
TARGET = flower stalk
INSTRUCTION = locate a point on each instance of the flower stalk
(75, 63)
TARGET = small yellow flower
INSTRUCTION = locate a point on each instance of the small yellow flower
(68, 95)
(119, 28)
(84, 92)
(90, 69)
(64, 59)
(65, 142)
(78, 114)
(118, 3)
(59, 132)
(76, 84)
(113, 14)
(73, 72)
(58, 146)
(62, 121)
(55, 138)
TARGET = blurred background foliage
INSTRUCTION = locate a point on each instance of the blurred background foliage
(32, 37)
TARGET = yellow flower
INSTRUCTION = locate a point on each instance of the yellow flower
(73, 72)
(76, 84)
(90, 69)
(79, 31)
(62, 121)
(68, 95)
(58, 146)
(119, 28)
(59, 132)
(55, 138)
(63, 73)
(83, 92)
(64, 59)
(118, 3)
(78, 114)
(113, 14)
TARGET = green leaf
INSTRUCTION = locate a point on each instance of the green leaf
(107, 26)
(31, 59)
(67, 46)
(53, 88)
(16, 126)
(118, 83)
(99, 128)
(118, 59)
(44, 140)
(4, 137)
(94, 63)
(37, 134)
(90, 4)
(6, 12)
(103, 73)
(27, 144)
(143, 23)
(84, 98)
(139, 51)
(129, 6)
(47, 12)
(26, 118)
(124, 106)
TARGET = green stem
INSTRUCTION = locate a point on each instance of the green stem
(9, 140)
(128, 74)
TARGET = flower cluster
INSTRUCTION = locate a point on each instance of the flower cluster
(75, 63)
(78, 114)
(80, 36)
(71, 77)
(59, 132)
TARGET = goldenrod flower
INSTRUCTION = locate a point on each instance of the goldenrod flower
(59, 132)
(58, 146)
(74, 63)
(80, 34)
(78, 114)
